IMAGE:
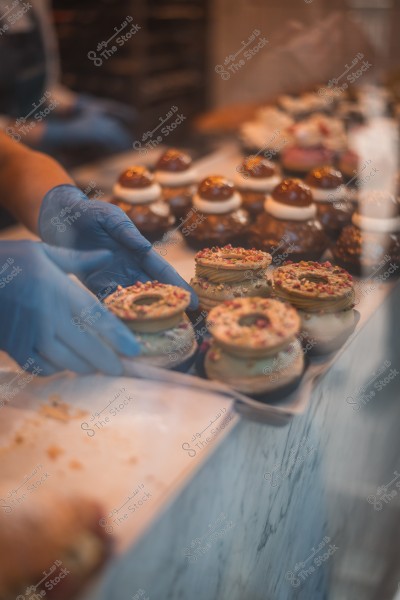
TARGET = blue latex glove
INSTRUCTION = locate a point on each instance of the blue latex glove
(91, 128)
(42, 326)
(68, 218)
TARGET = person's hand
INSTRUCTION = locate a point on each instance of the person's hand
(89, 128)
(68, 218)
(50, 322)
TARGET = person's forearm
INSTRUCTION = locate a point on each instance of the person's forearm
(25, 177)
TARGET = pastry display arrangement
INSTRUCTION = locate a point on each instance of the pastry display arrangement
(261, 322)
(277, 244)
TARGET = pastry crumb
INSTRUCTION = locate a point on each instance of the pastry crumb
(75, 464)
(55, 399)
(54, 452)
(19, 439)
(60, 411)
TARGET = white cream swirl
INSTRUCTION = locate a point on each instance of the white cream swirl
(175, 179)
(137, 195)
(217, 207)
(389, 225)
(332, 195)
(289, 213)
(257, 184)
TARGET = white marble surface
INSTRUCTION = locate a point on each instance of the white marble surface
(127, 433)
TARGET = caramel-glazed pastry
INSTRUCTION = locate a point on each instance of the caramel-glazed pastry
(289, 224)
(334, 209)
(324, 297)
(53, 534)
(254, 346)
(229, 272)
(219, 218)
(140, 198)
(371, 244)
(155, 313)
(256, 177)
(177, 177)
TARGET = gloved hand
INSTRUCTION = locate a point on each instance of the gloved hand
(41, 324)
(91, 128)
(68, 218)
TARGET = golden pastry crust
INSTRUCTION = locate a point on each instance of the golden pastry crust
(313, 286)
(226, 273)
(232, 258)
(252, 327)
(258, 375)
(150, 306)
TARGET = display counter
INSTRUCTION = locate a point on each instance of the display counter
(248, 509)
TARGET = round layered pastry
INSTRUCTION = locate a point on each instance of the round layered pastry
(254, 348)
(315, 142)
(218, 218)
(371, 244)
(227, 273)
(288, 228)
(177, 177)
(140, 197)
(256, 177)
(155, 313)
(334, 209)
(324, 297)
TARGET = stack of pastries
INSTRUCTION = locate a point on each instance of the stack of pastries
(276, 243)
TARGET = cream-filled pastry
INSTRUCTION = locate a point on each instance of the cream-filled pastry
(139, 196)
(219, 218)
(324, 296)
(256, 177)
(371, 244)
(177, 176)
(229, 272)
(155, 313)
(254, 346)
(288, 226)
(334, 209)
